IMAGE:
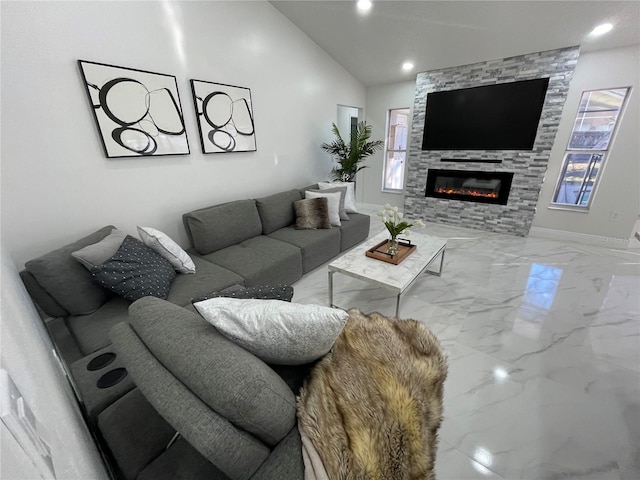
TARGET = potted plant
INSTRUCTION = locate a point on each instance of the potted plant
(349, 157)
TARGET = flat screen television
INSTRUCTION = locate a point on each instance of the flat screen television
(503, 116)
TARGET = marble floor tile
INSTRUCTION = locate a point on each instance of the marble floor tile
(543, 345)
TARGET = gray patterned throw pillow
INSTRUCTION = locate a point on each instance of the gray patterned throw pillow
(135, 271)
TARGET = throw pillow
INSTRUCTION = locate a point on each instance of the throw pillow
(350, 197)
(167, 248)
(135, 271)
(277, 332)
(264, 292)
(312, 213)
(333, 200)
(98, 253)
(343, 192)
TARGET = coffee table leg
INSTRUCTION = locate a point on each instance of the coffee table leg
(330, 288)
(433, 272)
(398, 306)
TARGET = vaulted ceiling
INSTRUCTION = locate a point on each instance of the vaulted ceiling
(438, 34)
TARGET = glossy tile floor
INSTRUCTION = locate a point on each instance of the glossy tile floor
(543, 344)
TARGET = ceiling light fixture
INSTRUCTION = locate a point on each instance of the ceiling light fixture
(406, 66)
(602, 29)
(364, 5)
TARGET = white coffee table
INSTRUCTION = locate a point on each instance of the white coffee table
(397, 278)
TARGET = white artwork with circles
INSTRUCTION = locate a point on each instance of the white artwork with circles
(138, 113)
(225, 117)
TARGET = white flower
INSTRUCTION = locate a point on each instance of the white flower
(406, 231)
(400, 215)
(387, 207)
(419, 223)
(395, 209)
(380, 214)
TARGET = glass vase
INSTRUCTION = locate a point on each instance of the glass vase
(392, 245)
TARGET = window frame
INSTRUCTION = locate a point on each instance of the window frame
(591, 151)
(388, 150)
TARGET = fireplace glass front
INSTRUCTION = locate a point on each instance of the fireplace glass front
(470, 186)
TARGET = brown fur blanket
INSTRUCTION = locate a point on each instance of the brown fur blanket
(372, 407)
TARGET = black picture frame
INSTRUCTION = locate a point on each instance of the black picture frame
(225, 117)
(138, 113)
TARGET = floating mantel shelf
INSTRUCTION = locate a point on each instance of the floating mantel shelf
(471, 160)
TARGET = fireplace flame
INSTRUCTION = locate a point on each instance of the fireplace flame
(466, 191)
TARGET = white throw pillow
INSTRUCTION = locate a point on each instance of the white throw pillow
(275, 331)
(333, 201)
(350, 197)
(167, 248)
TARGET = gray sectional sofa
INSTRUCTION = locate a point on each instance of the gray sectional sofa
(248, 243)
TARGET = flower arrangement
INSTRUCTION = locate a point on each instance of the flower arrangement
(394, 220)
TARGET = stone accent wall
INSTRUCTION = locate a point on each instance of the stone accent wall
(528, 166)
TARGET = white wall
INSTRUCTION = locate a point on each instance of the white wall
(380, 100)
(56, 183)
(619, 187)
(26, 354)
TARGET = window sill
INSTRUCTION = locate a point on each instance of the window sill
(568, 208)
(397, 192)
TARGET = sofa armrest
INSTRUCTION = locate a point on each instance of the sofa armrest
(233, 451)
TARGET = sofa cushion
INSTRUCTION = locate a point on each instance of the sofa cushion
(135, 271)
(44, 301)
(208, 278)
(67, 281)
(278, 332)
(230, 380)
(276, 211)
(261, 260)
(354, 231)
(213, 228)
(317, 246)
(91, 331)
(312, 213)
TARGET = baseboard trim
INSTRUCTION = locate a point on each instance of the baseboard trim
(562, 235)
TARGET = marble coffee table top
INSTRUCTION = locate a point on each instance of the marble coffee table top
(397, 277)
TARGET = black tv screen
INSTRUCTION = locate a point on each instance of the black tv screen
(504, 116)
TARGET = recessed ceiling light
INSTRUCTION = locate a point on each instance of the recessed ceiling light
(364, 5)
(602, 29)
(406, 66)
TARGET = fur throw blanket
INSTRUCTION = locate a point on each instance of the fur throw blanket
(372, 407)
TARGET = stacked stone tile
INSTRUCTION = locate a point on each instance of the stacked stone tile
(528, 166)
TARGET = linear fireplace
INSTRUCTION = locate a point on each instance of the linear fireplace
(470, 186)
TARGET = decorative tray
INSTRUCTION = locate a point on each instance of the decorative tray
(379, 252)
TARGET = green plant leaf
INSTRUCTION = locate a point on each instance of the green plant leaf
(349, 157)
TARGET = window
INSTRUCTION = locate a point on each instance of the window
(588, 146)
(395, 154)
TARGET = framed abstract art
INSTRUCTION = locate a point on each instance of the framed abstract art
(225, 117)
(138, 113)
